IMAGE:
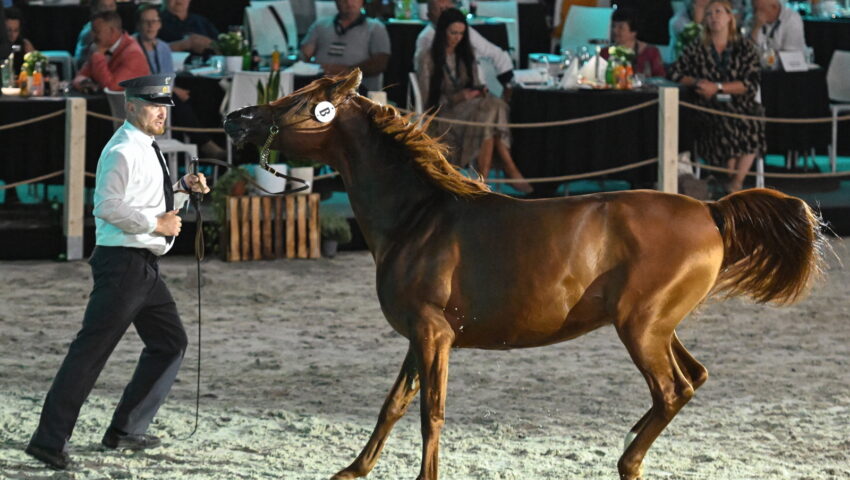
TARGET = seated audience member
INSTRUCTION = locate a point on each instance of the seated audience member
(158, 55)
(448, 79)
(723, 68)
(116, 56)
(624, 33)
(776, 26)
(348, 40)
(14, 22)
(481, 47)
(84, 39)
(184, 31)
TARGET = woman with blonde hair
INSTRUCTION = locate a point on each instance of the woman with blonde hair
(723, 69)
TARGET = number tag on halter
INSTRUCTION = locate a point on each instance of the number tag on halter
(325, 112)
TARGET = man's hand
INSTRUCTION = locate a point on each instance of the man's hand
(85, 85)
(195, 183)
(198, 43)
(168, 224)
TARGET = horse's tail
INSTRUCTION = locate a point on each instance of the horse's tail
(773, 245)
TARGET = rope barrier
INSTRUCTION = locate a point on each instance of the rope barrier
(553, 123)
(742, 116)
(33, 180)
(712, 168)
(46, 116)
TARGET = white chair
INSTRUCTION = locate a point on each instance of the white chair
(414, 94)
(242, 92)
(506, 10)
(325, 9)
(64, 60)
(272, 24)
(167, 145)
(838, 86)
(303, 10)
(584, 24)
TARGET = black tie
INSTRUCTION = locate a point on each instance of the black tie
(167, 189)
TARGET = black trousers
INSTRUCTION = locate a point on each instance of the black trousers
(128, 289)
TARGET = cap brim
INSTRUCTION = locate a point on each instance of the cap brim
(159, 99)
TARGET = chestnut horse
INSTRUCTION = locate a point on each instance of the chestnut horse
(461, 267)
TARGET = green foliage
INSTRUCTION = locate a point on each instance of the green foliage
(218, 198)
(31, 59)
(688, 34)
(231, 44)
(335, 227)
(623, 54)
(296, 162)
(270, 91)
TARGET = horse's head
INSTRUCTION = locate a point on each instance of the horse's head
(305, 118)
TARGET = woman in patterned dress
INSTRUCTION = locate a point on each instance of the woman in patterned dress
(448, 79)
(723, 68)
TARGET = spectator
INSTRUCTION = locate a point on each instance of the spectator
(348, 40)
(14, 23)
(116, 56)
(625, 34)
(480, 46)
(186, 32)
(5, 45)
(158, 55)
(777, 26)
(84, 39)
(448, 79)
(723, 69)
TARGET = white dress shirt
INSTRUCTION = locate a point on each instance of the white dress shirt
(128, 194)
(481, 47)
(785, 34)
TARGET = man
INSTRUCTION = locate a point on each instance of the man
(349, 40)
(135, 209)
(186, 32)
(84, 40)
(116, 56)
(777, 26)
(480, 46)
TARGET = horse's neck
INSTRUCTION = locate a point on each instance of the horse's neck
(386, 194)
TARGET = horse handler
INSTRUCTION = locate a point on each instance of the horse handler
(135, 209)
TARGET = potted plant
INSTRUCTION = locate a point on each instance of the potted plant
(301, 167)
(335, 231)
(31, 59)
(233, 47)
(231, 184)
(267, 93)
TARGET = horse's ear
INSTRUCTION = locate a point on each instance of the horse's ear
(349, 82)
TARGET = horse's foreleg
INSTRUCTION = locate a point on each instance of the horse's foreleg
(395, 406)
(670, 387)
(432, 346)
(694, 372)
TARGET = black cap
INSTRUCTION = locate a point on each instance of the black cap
(150, 88)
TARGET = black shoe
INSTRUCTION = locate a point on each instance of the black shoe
(53, 458)
(129, 441)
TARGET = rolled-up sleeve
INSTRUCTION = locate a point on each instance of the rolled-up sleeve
(109, 196)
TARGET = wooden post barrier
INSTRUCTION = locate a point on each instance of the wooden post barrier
(668, 139)
(75, 167)
(268, 228)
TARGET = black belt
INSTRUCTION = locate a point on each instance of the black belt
(149, 256)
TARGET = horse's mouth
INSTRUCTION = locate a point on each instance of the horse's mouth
(236, 132)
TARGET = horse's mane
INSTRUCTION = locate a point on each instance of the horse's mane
(428, 153)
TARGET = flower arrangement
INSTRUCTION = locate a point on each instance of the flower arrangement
(621, 54)
(231, 44)
(688, 34)
(31, 59)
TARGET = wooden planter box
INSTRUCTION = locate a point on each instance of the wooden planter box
(265, 228)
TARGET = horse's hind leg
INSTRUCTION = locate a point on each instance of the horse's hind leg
(694, 372)
(396, 404)
(650, 346)
(432, 345)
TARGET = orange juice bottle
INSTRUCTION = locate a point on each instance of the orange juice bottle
(23, 80)
(275, 59)
(37, 81)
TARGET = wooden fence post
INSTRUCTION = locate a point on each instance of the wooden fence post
(668, 139)
(75, 168)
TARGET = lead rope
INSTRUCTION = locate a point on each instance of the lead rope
(196, 198)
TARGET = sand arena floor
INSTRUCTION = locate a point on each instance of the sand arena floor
(298, 359)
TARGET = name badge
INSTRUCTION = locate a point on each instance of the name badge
(325, 112)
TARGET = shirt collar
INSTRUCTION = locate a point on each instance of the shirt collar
(134, 133)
